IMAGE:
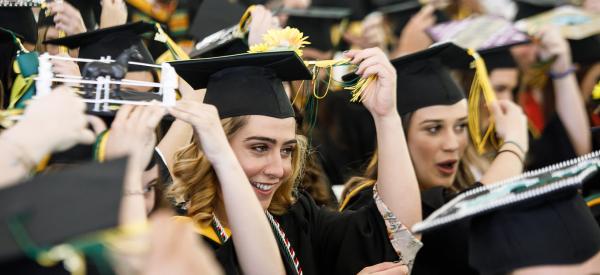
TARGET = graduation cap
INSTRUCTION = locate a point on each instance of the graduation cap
(110, 42)
(19, 20)
(246, 84)
(89, 9)
(57, 207)
(558, 230)
(424, 78)
(578, 26)
(316, 23)
(529, 188)
(399, 12)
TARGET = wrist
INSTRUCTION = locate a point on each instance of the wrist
(28, 143)
(562, 72)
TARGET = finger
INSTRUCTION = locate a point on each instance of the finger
(135, 116)
(362, 55)
(157, 114)
(97, 124)
(426, 11)
(350, 53)
(365, 64)
(496, 109)
(186, 117)
(121, 116)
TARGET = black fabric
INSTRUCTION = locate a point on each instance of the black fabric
(344, 137)
(424, 81)
(286, 65)
(500, 59)
(258, 92)
(316, 23)
(560, 230)
(111, 42)
(553, 146)
(326, 242)
(41, 205)
(399, 12)
(444, 251)
(21, 21)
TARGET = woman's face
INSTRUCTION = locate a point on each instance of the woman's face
(437, 138)
(264, 148)
(149, 180)
(504, 81)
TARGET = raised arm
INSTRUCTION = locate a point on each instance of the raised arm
(55, 122)
(396, 181)
(255, 243)
(570, 105)
(511, 127)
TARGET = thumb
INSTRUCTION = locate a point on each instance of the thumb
(86, 137)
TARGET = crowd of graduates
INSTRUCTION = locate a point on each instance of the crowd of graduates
(302, 136)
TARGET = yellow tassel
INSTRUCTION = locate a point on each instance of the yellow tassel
(481, 85)
(177, 52)
(147, 8)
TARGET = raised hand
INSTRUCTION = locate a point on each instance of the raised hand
(380, 95)
(413, 37)
(66, 18)
(132, 133)
(114, 13)
(204, 118)
(511, 123)
(262, 21)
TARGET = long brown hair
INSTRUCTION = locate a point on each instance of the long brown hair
(197, 185)
(463, 180)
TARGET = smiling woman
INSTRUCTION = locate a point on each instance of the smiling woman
(241, 208)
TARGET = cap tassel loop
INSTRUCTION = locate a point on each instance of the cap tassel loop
(481, 85)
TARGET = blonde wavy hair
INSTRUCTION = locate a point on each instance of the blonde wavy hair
(197, 185)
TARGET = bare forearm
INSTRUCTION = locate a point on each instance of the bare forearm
(247, 220)
(397, 181)
(505, 165)
(570, 108)
(133, 205)
(179, 135)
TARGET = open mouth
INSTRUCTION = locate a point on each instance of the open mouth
(447, 167)
(262, 187)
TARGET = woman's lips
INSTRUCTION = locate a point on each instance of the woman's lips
(447, 167)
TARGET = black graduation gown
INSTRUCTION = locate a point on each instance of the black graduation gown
(445, 250)
(325, 241)
(551, 147)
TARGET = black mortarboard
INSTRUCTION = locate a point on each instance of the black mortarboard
(19, 20)
(557, 231)
(57, 207)
(424, 79)
(215, 15)
(246, 84)
(316, 24)
(89, 9)
(500, 59)
(528, 8)
(110, 42)
(399, 12)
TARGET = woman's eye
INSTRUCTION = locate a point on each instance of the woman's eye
(260, 148)
(461, 127)
(434, 129)
(287, 151)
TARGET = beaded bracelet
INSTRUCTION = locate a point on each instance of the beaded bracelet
(559, 75)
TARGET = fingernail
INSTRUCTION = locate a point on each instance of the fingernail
(346, 51)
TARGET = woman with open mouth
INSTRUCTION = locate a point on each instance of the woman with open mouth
(435, 118)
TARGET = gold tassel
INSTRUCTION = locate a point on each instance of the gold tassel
(177, 52)
(357, 90)
(481, 85)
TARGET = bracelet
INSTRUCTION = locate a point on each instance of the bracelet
(515, 144)
(514, 153)
(559, 75)
(133, 193)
